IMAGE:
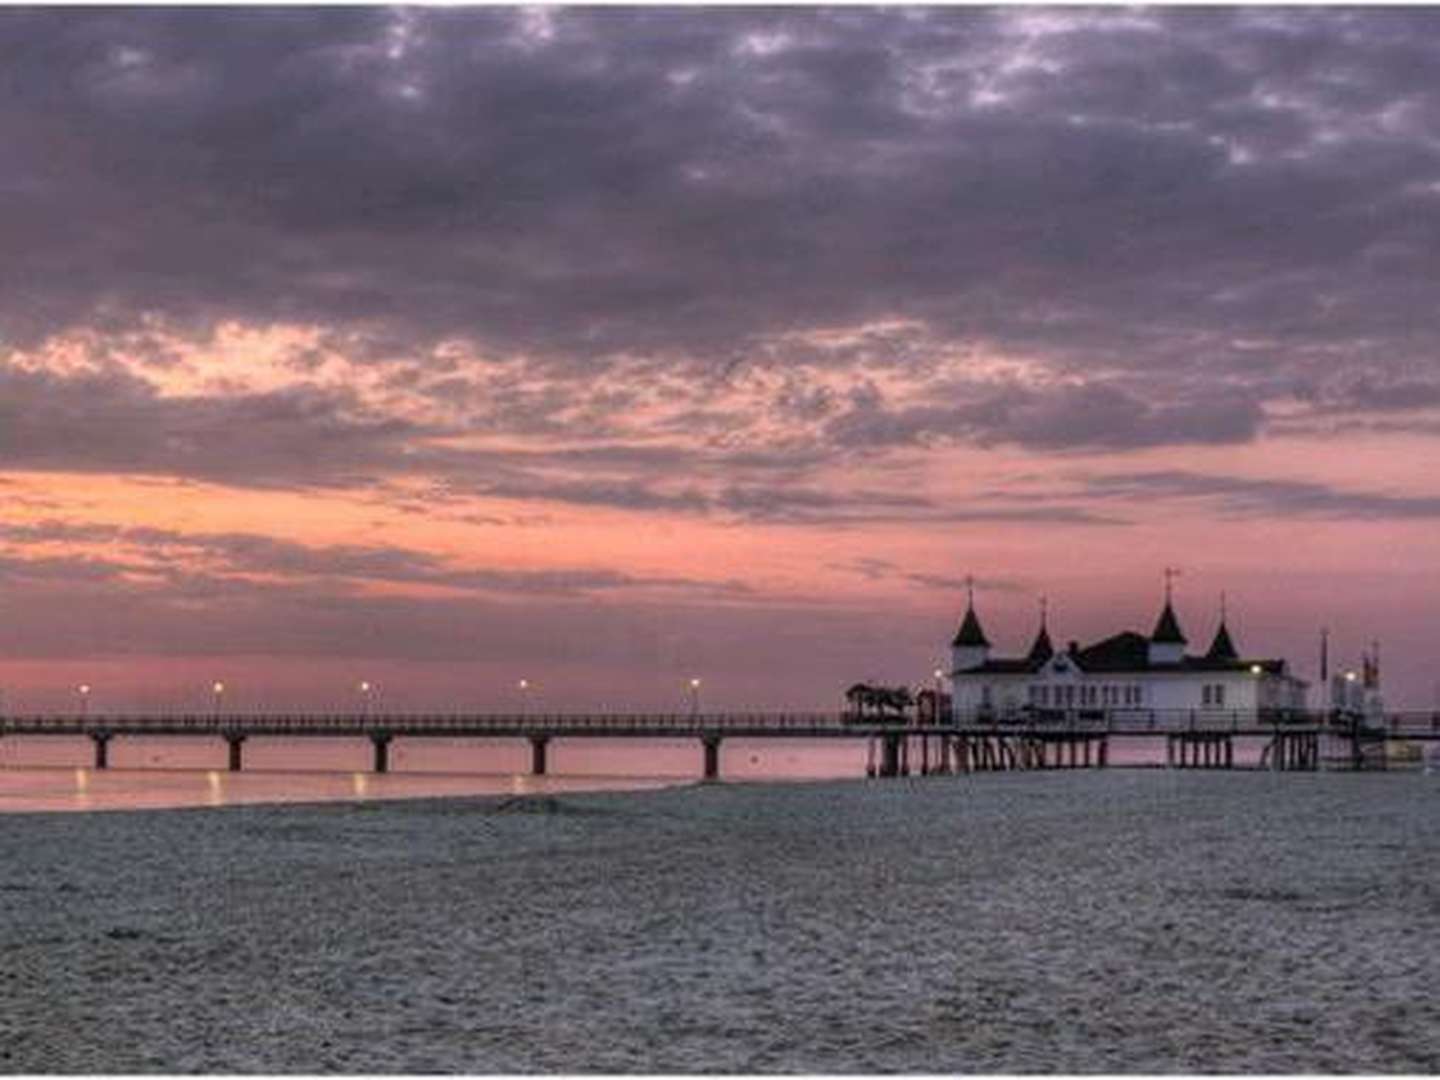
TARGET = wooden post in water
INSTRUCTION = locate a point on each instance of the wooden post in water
(712, 757)
(890, 754)
(102, 748)
(381, 741)
(235, 741)
(538, 746)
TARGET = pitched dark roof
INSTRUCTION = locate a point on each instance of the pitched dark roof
(1167, 629)
(970, 632)
(1041, 650)
(1222, 648)
(1121, 652)
(1003, 667)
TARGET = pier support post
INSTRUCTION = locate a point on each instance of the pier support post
(381, 741)
(890, 745)
(1169, 751)
(102, 748)
(236, 741)
(538, 745)
(712, 757)
(1104, 751)
(1229, 753)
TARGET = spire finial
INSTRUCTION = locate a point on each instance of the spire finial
(1044, 609)
(1222, 605)
(1171, 573)
(970, 590)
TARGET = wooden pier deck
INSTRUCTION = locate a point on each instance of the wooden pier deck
(1192, 740)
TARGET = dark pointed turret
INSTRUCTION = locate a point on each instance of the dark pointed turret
(1167, 643)
(1167, 629)
(970, 635)
(1222, 648)
(1041, 650)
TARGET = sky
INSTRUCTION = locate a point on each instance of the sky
(442, 348)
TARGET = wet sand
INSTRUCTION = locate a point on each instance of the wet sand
(1142, 921)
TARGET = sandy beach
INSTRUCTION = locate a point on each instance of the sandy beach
(1119, 922)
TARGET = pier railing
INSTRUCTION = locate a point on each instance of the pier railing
(800, 724)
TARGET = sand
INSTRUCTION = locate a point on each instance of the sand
(1124, 921)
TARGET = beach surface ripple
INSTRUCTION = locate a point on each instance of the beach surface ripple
(1115, 922)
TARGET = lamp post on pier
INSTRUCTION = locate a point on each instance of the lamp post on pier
(366, 688)
(523, 687)
(84, 690)
(217, 693)
(694, 698)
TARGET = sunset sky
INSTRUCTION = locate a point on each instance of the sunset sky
(611, 348)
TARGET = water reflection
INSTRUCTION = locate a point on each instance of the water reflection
(41, 773)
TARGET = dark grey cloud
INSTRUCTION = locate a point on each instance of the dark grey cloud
(1246, 497)
(1087, 416)
(111, 421)
(173, 555)
(1244, 197)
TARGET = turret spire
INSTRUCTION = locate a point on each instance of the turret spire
(1222, 648)
(1041, 650)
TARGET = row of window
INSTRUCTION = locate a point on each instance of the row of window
(1069, 696)
(1212, 695)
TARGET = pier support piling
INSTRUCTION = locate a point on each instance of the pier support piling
(538, 746)
(890, 750)
(102, 748)
(381, 741)
(712, 757)
(236, 742)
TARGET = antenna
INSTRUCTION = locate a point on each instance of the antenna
(1171, 573)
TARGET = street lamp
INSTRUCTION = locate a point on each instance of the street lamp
(84, 690)
(694, 697)
(366, 688)
(523, 686)
(217, 691)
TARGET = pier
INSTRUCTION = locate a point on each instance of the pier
(1296, 742)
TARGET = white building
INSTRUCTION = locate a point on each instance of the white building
(1126, 676)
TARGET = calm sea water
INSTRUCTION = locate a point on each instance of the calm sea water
(56, 773)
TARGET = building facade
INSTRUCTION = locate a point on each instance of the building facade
(1127, 676)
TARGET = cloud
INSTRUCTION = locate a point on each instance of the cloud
(1091, 416)
(186, 561)
(1171, 195)
(1245, 497)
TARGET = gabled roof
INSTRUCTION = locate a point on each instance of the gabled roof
(1167, 629)
(1222, 648)
(970, 633)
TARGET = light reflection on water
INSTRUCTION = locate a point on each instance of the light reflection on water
(54, 773)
